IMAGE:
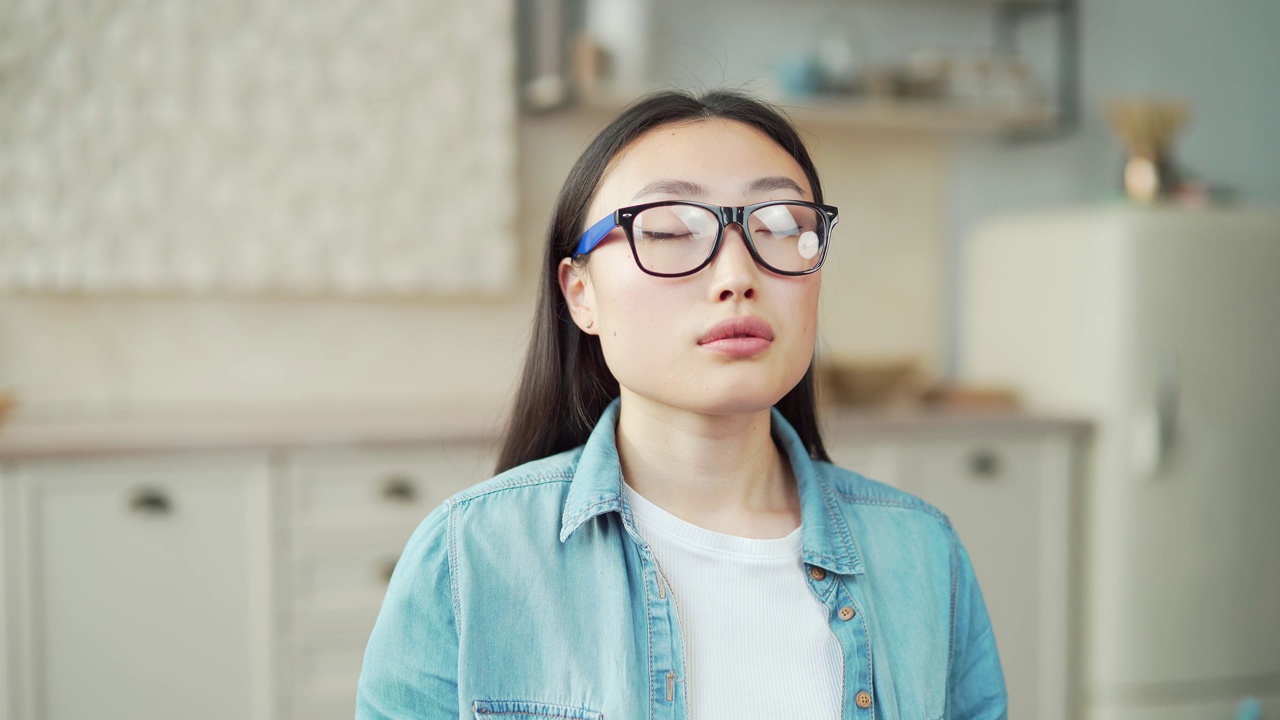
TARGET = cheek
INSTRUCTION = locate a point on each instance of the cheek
(799, 303)
(635, 311)
(637, 316)
(810, 303)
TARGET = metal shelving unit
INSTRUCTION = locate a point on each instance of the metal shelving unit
(1009, 15)
(1052, 118)
(931, 116)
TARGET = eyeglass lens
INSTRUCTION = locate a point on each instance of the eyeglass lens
(678, 238)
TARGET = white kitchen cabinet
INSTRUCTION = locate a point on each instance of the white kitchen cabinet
(351, 510)
(146, 587)
(253, 595)
(1008, 493)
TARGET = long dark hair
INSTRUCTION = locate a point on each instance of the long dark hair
(566, 384)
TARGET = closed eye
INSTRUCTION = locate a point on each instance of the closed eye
(776, 232)
(654, 235)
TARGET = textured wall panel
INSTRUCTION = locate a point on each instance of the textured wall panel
(264, 147)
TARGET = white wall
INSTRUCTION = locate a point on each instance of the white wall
(76, 354)
(72, 355)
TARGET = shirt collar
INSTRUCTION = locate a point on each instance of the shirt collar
(597, 488)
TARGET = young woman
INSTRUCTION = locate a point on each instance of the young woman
(667, 538)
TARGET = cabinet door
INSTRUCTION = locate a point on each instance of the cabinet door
(875, 460)
(1008, 499)
(326, 670)
(351, 512)
(149, 587)
(355, 489)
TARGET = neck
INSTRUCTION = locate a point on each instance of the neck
(720, 472)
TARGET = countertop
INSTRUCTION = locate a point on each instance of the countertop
(155, 431)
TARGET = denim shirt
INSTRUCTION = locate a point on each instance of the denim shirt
(531, 595)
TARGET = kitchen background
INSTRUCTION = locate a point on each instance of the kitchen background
(230, 240)
(909, 198)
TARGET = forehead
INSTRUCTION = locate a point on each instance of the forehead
(721, 156)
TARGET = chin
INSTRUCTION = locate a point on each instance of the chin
(740, 406)
(739, 400)
(736, 389)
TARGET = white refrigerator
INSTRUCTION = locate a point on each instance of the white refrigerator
(1163, 326)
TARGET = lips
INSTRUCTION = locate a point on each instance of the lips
(739, 337)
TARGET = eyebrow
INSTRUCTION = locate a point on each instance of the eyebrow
(672, 187)
(776, 182)
(686, 188)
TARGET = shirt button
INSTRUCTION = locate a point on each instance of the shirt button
(863, 699)
(846, 613)
(817, 573)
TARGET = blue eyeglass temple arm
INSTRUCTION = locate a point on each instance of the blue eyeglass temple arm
(594, 234)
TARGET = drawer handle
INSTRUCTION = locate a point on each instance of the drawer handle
(985, 463)
(150, 501)
(386, 568)
(399, 489)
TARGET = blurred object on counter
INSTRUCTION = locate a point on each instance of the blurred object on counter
(901, 384)
(1196, 193)
(884, 81)
(798, 75)
(972, 77)
(838, 57)
(1249, 709)
(621, 31)
(893, 382)
(832, 66)
(1147, 129)
(967, 77)
(590, 64)
(952, 396)
(541, 48)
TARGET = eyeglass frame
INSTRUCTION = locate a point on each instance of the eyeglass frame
(624, 217)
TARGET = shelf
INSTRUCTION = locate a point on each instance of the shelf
(921, 115)
(932, 116)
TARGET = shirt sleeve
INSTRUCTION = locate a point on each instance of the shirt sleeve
(975, 681)
(411, 662)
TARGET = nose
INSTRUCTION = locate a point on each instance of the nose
(734, 272)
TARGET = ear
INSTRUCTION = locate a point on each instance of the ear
(575, 285)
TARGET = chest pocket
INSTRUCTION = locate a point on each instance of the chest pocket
(524, 710)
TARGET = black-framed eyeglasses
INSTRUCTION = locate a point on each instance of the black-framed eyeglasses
(675, 238)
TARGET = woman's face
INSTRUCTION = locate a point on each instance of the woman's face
(658, 333)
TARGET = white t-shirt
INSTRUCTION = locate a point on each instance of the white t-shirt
(756, 639)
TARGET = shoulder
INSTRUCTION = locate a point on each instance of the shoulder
(876, 505)
(515, 510)
(526, 499)
(857, 489)
(552, 472)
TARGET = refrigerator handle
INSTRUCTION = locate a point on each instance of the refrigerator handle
(1166, 407)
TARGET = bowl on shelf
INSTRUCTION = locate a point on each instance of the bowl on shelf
(873, 383)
